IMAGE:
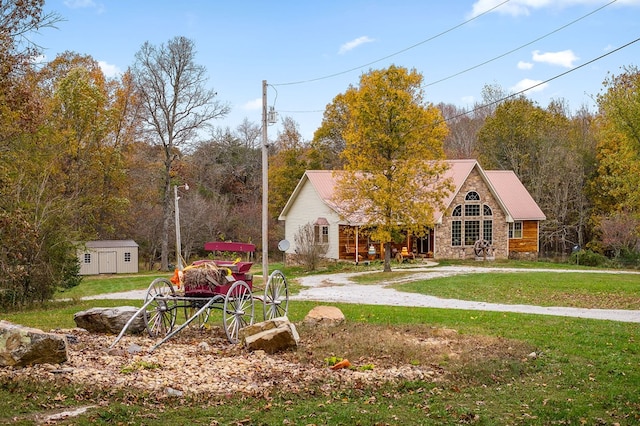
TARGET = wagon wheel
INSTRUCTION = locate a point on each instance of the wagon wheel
(160, 315)
(238, 310)
(479, 247)
(192, 308)
(276, 296)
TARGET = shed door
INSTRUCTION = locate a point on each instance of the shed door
(107, 262)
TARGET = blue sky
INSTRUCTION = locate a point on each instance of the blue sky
(322, 47)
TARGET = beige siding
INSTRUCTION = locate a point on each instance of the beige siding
(307, 208)
(106, 260)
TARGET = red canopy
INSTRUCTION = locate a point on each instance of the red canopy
(228, 246)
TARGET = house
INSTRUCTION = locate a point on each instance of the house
(108, 257)
(491, 205)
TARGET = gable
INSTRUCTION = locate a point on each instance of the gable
(505, 188)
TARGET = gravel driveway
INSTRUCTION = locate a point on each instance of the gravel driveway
(338, 288)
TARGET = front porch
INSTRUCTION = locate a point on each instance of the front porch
(353, 241)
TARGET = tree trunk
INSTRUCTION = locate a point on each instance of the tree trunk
(387, 256)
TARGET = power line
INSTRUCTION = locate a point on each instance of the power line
(520, 47)
(393, 54)
(468, 69)
(542, 82)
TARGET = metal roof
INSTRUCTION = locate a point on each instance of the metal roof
(517, 199)
(510, 193)
(110, 243)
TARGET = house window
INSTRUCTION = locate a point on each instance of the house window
(472, 210)
(472, 196)
(456, 233)
(321, 234)
(487, 231)
(321, 231)
(471, 232)
(478, 221)
(87, 258)
(127, 257)
(515, 230)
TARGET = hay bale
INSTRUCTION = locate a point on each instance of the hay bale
(203, 276)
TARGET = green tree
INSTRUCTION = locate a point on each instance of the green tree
(177, 105)
(617, 184)
(91, 122)
(615, 187)
(393, 147)
(328, 141)
(286, 165)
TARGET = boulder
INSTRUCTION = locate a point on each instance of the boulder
(324, 316)
(109, 320)
(21, 346)
(270, 336)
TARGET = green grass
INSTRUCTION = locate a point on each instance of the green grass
(585, 372)
(584, 290)
(103, 284)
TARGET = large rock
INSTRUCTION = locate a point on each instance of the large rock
(271, 336)
(324, 316)
(109, 320)
(21, 346)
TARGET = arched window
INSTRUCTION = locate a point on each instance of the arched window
(473, 221)
(472, 196)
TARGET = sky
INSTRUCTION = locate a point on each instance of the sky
(309, 52)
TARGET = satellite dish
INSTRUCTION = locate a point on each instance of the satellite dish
(283, 245)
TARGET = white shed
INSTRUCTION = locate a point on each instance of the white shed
(108, 257)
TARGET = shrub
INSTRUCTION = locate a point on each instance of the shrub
(588, 258)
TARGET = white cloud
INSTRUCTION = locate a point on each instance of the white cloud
(109, 70)
(523, 65)
(79, 4)
(253, 105)
(350, 45)
(528, 83)
(84, 4)
(564, 58)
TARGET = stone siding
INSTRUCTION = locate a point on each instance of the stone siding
(443, 247)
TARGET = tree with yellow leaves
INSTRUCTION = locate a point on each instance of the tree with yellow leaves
(393, 146)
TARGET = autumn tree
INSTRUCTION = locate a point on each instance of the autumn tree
(36, 254)
(177, 106)
(615, 185)
(393, 147)
(287, 164)
(91, 124)
(551, 153)
(328, 142)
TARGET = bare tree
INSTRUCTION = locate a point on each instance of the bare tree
(177, 105)
(308, 250)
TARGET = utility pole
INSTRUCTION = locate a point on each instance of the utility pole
(177, 218)
(265, 187)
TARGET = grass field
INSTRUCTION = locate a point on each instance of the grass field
(583, 372)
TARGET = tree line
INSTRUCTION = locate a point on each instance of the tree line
(86, 157)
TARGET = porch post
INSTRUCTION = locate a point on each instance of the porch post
(357, 238)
